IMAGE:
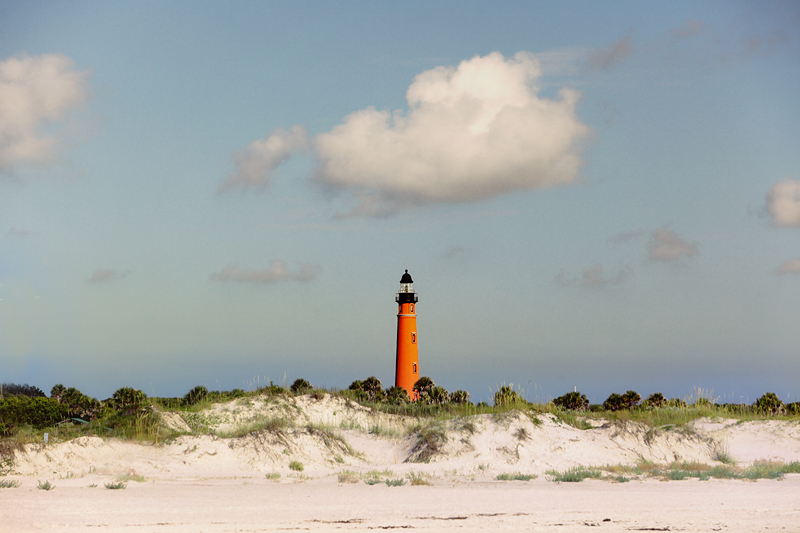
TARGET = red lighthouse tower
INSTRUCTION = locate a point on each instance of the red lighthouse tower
(407, 371)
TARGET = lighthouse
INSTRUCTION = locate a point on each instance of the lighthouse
(407, 370)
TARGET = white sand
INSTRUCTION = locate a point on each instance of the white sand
(219, 484)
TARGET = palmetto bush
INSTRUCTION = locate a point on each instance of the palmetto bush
(573, 401)
(195, 395)
(128, 399)
(655, 401)
(769, 404)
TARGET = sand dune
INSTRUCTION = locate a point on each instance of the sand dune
(225, 482)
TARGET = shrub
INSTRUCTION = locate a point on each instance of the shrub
(618, 402)
(769, 404)
(459, 397)
(297, 466)
(116, 486)
(397, 396)
(128, 399)
(507, 397)
(438, 396)
(655, 401)
(12, 389)
(195, 395)
(373, 388)
(77, 403)
(394, 482)
(39, 412)
(46, 485)
(301, 386)
(423, 387)
(9, 484)
(573, 401)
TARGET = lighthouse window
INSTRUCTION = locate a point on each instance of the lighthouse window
(412, 308)
(414, 337)
(415, 367)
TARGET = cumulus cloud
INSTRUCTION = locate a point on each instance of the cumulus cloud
(35, 94)
(783, 203)
(256, 163)
(106, 276)
(276, 272)
(592, 277)
(792, 266)
(666, 246)
(611, 55)
(471, 132)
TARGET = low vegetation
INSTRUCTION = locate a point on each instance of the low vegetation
(27, 413)
(515, 476)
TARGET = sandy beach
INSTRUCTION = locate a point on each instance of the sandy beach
(245, 483)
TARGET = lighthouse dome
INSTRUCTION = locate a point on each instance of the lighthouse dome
(406, 278)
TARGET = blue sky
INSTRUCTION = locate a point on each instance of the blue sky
(597, 195)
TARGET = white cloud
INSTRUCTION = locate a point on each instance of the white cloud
(609, 56)
(783, 203)
(36, 93)
(665, 245)
(792, 266)
(592, 277)
(471, 132)
(106, 276)
(276, 272)
(256, 163)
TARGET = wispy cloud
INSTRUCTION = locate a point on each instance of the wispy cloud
(783, 203)
(106, 276)
(276, 272)
(689, 29)
(455, 252)
(624, 237)
(36, 92)
(256, 163)
(666, 246)
(471, 132)
(611, 55)
(20, 232)
(792, 266)
(592, 277)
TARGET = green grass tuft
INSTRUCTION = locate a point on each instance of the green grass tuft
(9, 484)
(297, 466)
(573, 475)
(515, 476)
(394, 482)
(46, 486)
(115, 486)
